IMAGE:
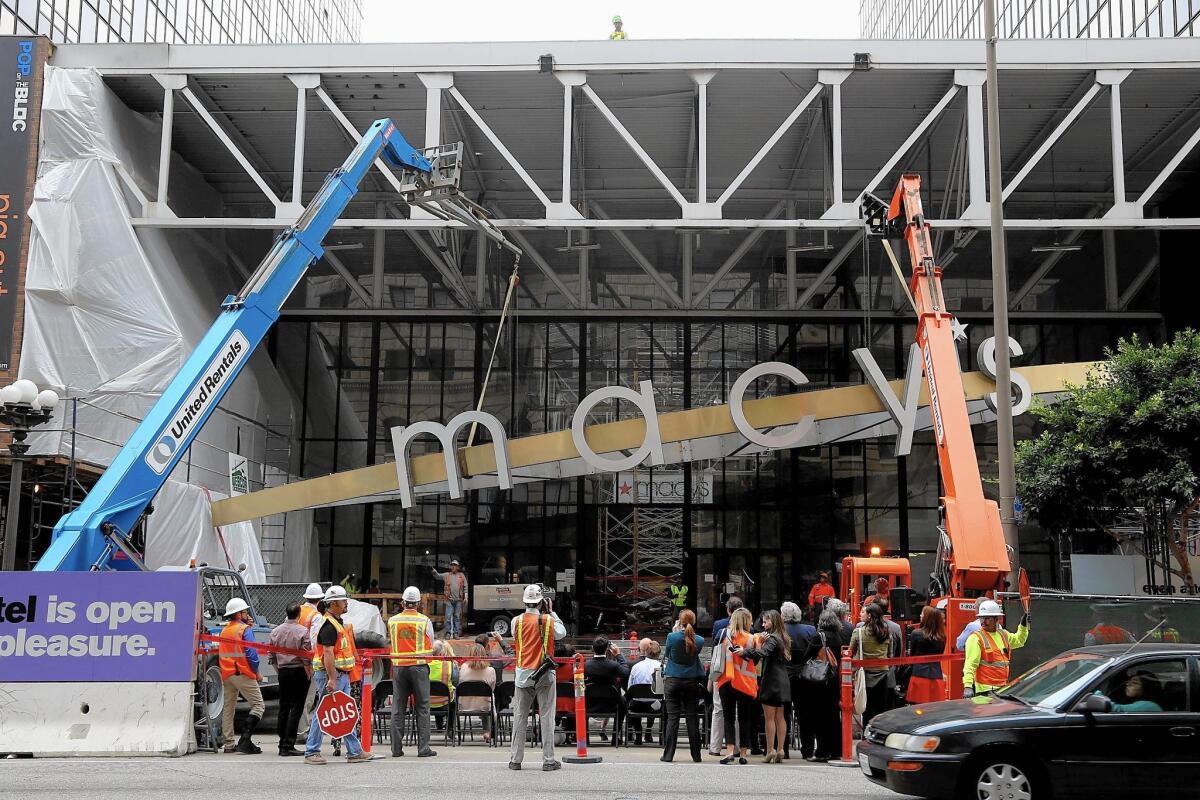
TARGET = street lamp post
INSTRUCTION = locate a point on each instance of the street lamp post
(1004, 422)
(23, 407)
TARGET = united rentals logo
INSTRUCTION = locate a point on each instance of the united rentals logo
(192, 410)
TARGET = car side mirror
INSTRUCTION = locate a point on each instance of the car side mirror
(1094, 704)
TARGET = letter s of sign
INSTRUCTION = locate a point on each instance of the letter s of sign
(403, 436)
(785, 438)
(985, 356)
(651, 442)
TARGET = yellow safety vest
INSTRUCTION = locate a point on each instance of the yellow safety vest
(408, 632)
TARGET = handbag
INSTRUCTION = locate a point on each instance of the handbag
(818, 669)
(860, 681)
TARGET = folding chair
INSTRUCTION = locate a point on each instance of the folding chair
(381, 711)
(474, 689)
(641, 703)
(604, 702)
(502, 708)
(440, 693)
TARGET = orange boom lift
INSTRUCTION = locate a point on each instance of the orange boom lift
(972, 557)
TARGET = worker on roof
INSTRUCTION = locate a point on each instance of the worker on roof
(989, 650)
(239, 676)
(618, 33)
(454, 592)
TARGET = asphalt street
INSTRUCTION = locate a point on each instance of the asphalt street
(628, 774)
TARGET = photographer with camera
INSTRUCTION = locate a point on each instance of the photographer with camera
(535, 632)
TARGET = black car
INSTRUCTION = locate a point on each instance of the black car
(1107, 721)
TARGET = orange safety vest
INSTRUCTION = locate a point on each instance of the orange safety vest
(356, 672)
(308, 614)
(233, 656)
(993, 661)
(343, 649)
(529, 656)
(409, 635)
(740, 671)
(1111, 634)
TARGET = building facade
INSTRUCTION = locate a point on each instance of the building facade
(1029, 19)
(184, 21)
(679, 225)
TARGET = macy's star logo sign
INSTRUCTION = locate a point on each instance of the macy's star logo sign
(624, 487)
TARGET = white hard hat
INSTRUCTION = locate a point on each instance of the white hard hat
(988, 608)
(411, 595)
(533, 594)
(314, 592)
(235, 605)
(335, 593)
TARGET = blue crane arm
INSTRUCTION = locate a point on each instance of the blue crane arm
(94, 535)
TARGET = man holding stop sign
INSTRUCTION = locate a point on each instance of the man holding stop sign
(333, 660)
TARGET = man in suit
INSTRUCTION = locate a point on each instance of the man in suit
(607, 667)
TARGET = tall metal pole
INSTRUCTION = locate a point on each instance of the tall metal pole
(1004, 423)
(13, 517)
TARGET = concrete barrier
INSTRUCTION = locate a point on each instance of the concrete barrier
(96, 719)
(97, 663)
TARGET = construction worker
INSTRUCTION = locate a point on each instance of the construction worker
(308, 609)
(1162, 630)
(333, 660)
(411, 636)
(989, 650)
(618, 33)
(535, 632)
(817, 595)
(454, 592)
(239, 676)
(1105, 631)
(678, 592)
(309, 613)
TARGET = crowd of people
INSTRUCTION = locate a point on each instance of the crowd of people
(762, 683)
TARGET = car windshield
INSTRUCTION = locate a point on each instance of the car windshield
(1051, 683)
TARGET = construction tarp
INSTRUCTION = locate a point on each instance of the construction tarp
(112, 311)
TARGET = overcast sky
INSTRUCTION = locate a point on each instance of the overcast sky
(535, 20)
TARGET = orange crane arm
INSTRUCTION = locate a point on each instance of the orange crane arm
(974, 552)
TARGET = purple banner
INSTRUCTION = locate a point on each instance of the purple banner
(98, 626)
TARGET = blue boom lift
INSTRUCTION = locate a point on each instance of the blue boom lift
(97, 534)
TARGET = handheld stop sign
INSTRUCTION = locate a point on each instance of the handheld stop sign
(337, 714)
(1023, 588)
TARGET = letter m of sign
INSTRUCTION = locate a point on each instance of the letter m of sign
(402, 437)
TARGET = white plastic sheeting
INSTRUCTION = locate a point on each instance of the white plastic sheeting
(111, 312)
(180, 529)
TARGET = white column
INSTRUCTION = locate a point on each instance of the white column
(834, 78)
(159, 207)
(564, 209)
(302, 83)
(974, 80)
(1113, 79)
(434, 83)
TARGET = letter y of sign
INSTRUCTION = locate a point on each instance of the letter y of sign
(903, 414)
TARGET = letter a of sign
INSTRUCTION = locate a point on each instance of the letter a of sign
(651, 442)
(403, 436)
(904, 415)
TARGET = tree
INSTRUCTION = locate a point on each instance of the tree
(1128, 438)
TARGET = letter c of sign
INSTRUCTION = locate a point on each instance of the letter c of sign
(785, 438)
